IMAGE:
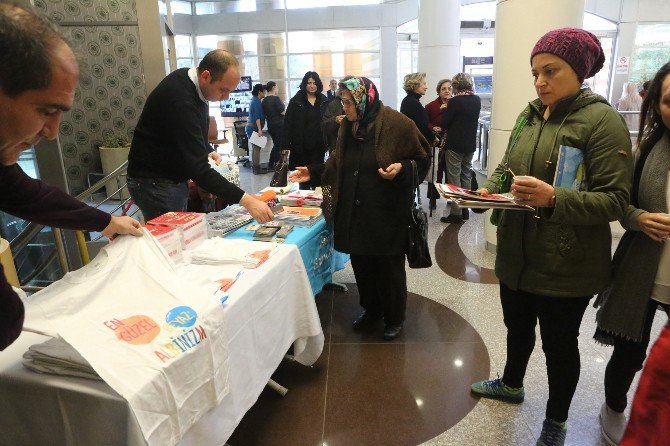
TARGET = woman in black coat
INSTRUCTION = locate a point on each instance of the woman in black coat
(367, 191)
(302, 124)
(415, 86)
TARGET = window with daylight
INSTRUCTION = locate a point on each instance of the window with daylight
(651, 51)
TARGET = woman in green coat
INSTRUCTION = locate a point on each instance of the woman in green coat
(551, 262)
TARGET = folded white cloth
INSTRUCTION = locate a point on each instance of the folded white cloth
(218, 251)
(57, 357)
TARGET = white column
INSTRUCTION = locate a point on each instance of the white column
(519, 24)
(439, 42)
(389, 66)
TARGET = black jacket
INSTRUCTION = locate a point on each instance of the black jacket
(412, 108)
(273, 107)
(371, 213)
(302, 128)
(329, 125)
(459, 120)
(170, 140)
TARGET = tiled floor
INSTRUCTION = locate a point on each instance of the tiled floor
(364, 390)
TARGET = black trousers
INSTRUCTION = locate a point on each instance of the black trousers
(277, 134)
(560, 318)
(626, 361)
(382, 285)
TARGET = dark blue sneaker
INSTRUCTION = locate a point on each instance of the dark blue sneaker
(497, 390)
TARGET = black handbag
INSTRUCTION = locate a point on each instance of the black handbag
(280, 177)
(418, 255)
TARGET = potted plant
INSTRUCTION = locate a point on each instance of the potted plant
(114, 152)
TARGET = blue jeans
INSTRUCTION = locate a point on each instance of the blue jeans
(156, 196)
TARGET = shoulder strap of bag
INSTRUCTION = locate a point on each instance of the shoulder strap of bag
(412, 188)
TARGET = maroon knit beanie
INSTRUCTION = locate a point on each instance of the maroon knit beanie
(579, 48)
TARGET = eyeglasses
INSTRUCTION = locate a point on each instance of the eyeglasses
(346, 102)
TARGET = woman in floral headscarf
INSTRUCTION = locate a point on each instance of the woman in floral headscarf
(367, 191)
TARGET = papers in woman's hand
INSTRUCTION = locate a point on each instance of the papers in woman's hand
(260, 141)
(473, 199)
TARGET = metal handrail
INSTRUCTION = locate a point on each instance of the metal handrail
(112, 175)
(18, 243)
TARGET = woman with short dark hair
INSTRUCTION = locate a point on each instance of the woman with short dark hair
(302, 124)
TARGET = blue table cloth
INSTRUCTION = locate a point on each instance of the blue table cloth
(315, 244)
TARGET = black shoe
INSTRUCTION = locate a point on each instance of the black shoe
(392, 331)
(366, 321)
(452, 219)
(465, 213)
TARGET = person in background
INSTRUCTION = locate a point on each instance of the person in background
(434, 109)
(302, 124)
(645, 87)
(330, 123)
(367, 195)
(38, 77)
(170, 146)
(415, 86)
(273, 108)
(551, 262)
(459, 122)
(641, 283)
(630, 100)
(255, 123)
(437, 105)
(332, 91)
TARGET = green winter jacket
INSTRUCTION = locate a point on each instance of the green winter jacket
(565, 251)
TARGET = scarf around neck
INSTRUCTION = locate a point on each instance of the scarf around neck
(464, 92)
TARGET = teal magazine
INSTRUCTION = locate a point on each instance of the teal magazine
(570, 170)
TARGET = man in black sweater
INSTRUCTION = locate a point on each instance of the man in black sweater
(170, 146)
(38, 76)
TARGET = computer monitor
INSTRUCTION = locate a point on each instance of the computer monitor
(244, 85)
(237, 104)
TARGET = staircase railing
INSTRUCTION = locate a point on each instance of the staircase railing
(22, 240)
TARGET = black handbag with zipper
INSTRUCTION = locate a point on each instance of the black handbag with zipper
(418, 255)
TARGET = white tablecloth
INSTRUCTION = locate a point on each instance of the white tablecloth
(268, 309)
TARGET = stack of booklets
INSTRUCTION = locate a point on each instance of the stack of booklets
(302, 198)
(473, 199)
(299, 216)
(227, 220)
